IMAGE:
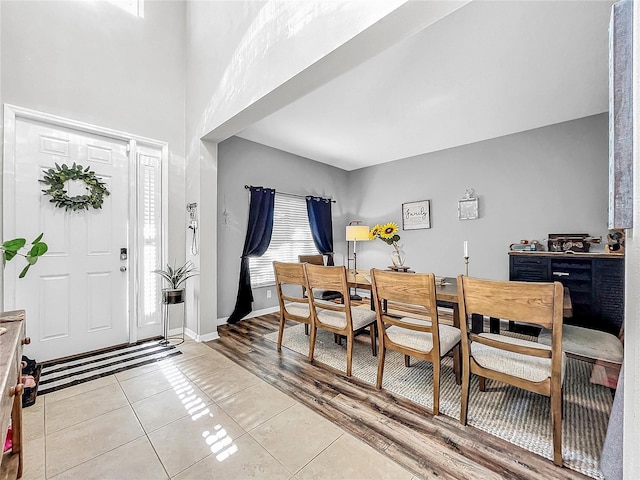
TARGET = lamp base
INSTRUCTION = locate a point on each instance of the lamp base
(355, 297)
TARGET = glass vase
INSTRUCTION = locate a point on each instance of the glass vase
(397, 256)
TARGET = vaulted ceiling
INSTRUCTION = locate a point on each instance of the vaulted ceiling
(489, 69)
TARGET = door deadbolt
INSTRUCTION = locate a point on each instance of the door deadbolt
(123, 268)
(123, 253)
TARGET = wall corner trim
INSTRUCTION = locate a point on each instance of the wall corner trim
(207, 337)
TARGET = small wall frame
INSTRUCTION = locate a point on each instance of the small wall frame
(468, 206)
(416, 215)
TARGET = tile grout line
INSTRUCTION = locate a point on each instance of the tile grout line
(97, 456)
(146, 434)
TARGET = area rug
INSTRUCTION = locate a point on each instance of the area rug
(515, 415)
(61, 374)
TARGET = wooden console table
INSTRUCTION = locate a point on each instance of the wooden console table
(11, 343)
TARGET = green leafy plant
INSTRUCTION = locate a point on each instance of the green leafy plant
(56, 179)
(12, 248)
(177, 276)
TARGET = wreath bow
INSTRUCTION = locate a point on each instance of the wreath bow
(56, 179)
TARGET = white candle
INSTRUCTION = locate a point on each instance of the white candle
(466, 249)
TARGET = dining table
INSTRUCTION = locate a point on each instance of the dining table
(447, 297)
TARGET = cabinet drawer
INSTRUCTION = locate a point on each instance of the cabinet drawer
(524, 260)
(529, 269)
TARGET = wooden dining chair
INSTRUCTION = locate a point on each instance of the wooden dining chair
(420, 338)
(318, 259)
(292, 307)
(521, 363)
(337, 318)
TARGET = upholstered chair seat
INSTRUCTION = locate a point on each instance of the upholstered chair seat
(534, 369)
(297, 309)
(587, 343)
(359, 316)
(423, 341)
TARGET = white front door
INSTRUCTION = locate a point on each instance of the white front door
(76, 296)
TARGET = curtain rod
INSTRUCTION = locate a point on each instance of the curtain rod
(247, 187)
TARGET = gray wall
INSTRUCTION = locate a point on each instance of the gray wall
(240, 163)
(548, 180)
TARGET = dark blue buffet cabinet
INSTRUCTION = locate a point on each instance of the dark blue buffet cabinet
(595, 282)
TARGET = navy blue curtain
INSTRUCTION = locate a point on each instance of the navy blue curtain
(259, 229)
(319, 211)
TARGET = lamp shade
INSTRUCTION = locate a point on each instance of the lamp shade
(357, 232)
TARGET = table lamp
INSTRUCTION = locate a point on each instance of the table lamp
(354, 234)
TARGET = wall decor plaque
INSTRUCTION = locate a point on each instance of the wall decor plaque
(416, 215)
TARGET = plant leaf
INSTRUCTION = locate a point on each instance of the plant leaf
(15, 244)
(38, 249)
(24, 271)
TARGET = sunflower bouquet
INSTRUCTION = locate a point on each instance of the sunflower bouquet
(388, 233)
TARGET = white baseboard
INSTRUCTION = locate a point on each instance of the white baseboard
(253, 313)
(207, 337)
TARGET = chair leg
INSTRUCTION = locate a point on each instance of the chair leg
(407, 361)
(280, 333)
(381, 352)
(372, 334)
(349, 352)
(306, 329)
(337, 339)
(312, 342)
(482, 384)
(556, 422)
(464, 399)
(436, 387)
(456, 364)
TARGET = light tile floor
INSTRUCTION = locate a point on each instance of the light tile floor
(195, 416)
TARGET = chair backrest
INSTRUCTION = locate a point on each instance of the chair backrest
(417, 294)
(320, 277)
(529, 302)
(312, 259)
(290, 274)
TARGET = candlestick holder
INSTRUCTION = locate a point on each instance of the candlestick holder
(466, 266)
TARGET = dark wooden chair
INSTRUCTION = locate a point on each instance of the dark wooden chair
(337, 318)
(416, 337)
(319, 260)
(294, 308)
(521, 363)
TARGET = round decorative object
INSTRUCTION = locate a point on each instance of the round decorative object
(398, 256)
(56, 178)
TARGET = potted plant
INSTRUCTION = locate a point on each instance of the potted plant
(175, 277)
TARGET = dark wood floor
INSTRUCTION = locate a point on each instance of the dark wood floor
(431, 447)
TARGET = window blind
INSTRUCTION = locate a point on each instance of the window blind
(291, 237)
(150, 216)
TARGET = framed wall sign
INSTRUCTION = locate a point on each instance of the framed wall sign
(468, 206)
(416, 215)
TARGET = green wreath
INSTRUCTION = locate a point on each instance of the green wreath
(56, 179)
